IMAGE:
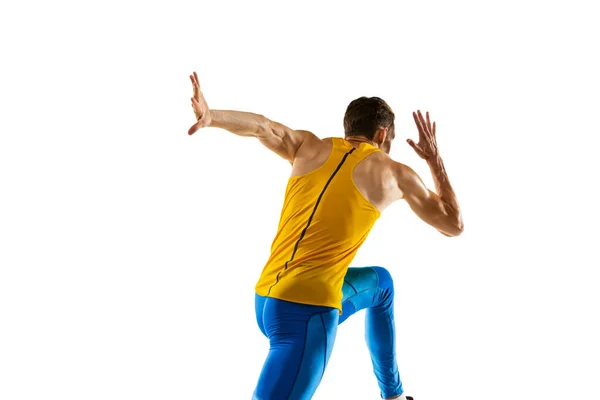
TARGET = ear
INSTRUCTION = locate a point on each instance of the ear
(380, 136)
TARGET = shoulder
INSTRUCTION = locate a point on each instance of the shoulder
(314, 147)
(313, 143)
(408, 180)
(402, 174)
(401, 170)
(306, 135)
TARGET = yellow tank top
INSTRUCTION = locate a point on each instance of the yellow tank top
(324, 221)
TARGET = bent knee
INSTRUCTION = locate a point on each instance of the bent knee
(385, 280)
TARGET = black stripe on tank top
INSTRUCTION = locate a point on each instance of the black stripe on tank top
(311, 217)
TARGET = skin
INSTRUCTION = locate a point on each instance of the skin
(379, 178)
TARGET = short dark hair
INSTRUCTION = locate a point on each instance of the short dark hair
(367, 114)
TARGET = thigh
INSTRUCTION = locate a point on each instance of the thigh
(362, 289)
(301, 340)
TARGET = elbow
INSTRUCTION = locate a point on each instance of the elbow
(255, 125)
(458, 228)
(264, 127)
(455, 229)
(452, 224)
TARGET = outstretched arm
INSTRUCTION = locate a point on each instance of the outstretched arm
(439, 210)
(276, 137)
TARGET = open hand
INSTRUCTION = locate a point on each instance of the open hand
(200, 107)
(427, 147)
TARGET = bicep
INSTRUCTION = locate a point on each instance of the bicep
(427, 205)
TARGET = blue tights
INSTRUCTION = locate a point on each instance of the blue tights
(301, 337)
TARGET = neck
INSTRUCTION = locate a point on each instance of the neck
(359, 139)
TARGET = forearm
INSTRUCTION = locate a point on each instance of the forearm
(239, 122)
(444, 188)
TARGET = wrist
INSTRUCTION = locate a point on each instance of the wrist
(213, 118)
(435, 162)
(436, 166)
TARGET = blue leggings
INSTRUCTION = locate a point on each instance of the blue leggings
(301, 337)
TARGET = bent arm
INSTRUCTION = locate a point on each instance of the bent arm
(438, 210)
(276, 137)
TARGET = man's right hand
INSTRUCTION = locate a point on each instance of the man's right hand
(427, 147)
(200, 107)
(441, 209)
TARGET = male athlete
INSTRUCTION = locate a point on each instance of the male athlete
(337, 190)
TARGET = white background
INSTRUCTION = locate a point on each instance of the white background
(129, 250)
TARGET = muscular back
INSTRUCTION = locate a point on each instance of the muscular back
(375, 176)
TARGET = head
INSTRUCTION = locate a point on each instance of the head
(370, 118)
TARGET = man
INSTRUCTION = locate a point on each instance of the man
(337, 190)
